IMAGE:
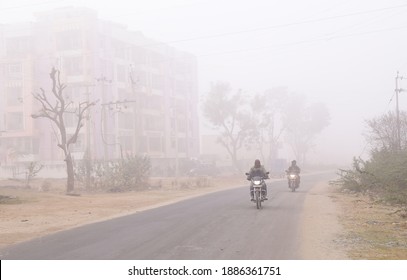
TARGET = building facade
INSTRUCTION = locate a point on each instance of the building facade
(146, 92)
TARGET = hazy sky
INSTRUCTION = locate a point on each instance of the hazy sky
(342, 53)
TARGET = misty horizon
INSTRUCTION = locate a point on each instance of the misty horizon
(343, 54)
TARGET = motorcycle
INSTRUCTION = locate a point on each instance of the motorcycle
(293, 182)
(258, 193)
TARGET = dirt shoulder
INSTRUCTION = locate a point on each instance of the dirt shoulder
(29, 213)
(321, 227)
(343, 225)
(373, 230)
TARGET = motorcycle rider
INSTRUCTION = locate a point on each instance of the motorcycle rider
(258, 170)
(293, 168)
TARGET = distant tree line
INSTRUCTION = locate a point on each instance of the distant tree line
(263, 121)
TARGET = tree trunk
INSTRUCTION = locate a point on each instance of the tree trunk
(70, 184)
(235, 161)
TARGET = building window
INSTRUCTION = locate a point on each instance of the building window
(121, 73)
(70, 119)
(182, 145)
(35, 145)
(154, 123)
(17, 45)
(123, 94)
(181, 125)
(14, 96)
(107, 68)
(140, 79)
(14, 70)
(126, 121)
(155, 144)
(68, 40)
(15, 121)
(143, 144)
(19, 145)
(153, 102)
(119, 49)
(75, 93)
(181, 88)
(139, 56)
(127, 143)
(173, 143)
(73, 66)
(157, 82)
(157, 60)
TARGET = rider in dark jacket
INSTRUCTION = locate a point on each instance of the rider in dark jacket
(258, 170)
(295, 169)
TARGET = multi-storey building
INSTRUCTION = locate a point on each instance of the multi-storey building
(146, 91)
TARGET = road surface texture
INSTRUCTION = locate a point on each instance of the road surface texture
(216, 226)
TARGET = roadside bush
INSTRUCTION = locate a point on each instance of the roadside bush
(131, 173)
(351, 179)
(32, 170)
(384, 175)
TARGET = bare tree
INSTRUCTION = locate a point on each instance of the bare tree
(382, 132)
(267, 108)
(303, 123)
(226, 112)
(53, 107)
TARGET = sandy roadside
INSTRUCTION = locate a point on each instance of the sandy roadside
(31, 213)
(321, 226)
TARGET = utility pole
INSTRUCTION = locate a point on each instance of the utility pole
(87, 93)
(136, 110)
(117, 107)
(398, 90)
(88, 154)
(104, 81)
(176, 143)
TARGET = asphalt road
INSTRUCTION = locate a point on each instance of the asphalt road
(217, 226)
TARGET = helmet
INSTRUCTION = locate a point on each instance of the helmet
(257, 163)
(294, 162)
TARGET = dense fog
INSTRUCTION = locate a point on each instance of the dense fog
(344, 55)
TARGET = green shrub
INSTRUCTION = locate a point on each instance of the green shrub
(384, 174)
